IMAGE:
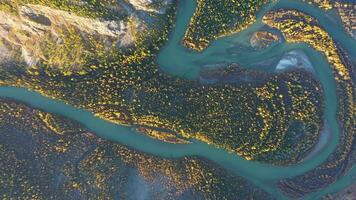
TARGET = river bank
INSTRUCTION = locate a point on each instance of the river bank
(171, 60)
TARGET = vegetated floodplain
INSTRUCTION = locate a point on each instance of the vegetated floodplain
(300, 27)
(256, 115)
(126, 87)
(213, 19)
(46, 156)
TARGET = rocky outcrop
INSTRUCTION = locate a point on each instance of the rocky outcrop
(37, 27)
(157, 6)
(43, 18)
(61, 39)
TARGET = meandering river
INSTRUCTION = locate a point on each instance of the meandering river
(179, 61)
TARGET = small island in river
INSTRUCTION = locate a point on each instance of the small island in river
(259, 103)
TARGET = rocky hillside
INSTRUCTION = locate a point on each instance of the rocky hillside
(65, 34)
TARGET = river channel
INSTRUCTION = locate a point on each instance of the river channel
(179, 61)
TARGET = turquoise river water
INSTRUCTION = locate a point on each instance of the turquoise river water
(179, 61)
